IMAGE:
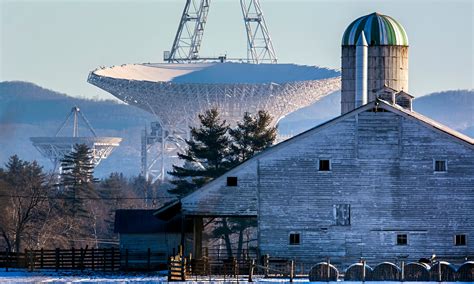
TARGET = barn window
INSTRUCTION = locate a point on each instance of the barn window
(440, 166)
(324, 165)
(460, 240)
(294, 238)
(402, 239)
(342, 214)
(231, 181)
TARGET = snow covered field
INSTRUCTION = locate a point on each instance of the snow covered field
(22, 276)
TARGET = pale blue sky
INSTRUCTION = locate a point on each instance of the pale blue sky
(56, 43)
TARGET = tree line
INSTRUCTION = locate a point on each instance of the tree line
(40, 209)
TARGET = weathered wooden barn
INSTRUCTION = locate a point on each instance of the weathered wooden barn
(381, 182)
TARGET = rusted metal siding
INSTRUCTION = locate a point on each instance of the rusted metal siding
(382, 165)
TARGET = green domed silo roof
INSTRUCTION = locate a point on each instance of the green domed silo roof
(378, 29)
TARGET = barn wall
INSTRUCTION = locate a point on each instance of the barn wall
(218, 199)
(158, 242)
(382, 166)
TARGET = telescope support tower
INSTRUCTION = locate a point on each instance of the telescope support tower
(188, 39)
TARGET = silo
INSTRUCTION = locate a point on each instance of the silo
(387, 62)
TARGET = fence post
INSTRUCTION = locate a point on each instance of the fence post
(25, 258)
(104, 252)
(57, 259)
(266, 264)
(292, 270)
(328, 268)
(73, 257)
(93, 259)
(252, 265)
(7, 259)
(439, 271)
(206, 261)
(363, 270)
(403, 271)
(41, 258)
(170, 261)
(113, 258)
(126, 260)
(148, 259)
(81, 259)
(32, 259)
(183, 268)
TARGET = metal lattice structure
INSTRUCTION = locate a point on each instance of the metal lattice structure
(176, 106)
(259, 44)
(188, 39)
(55, 148)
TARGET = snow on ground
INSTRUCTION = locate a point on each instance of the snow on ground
(22, 276)
(217, 73)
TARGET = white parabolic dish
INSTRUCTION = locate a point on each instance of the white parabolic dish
(178, 92)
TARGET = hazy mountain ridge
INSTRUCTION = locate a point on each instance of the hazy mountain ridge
(28, 110)
(23, 102)
(453, 108)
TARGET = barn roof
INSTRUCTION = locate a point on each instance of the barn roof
(429, 122)
(144, 222)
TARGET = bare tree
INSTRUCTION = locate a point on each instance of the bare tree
(23, 191)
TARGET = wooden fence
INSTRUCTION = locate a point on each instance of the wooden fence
(181, 268)
(105, 259)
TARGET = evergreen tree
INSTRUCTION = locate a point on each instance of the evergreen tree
(206, 157)
(252, 135)
(77, 177)
(264, 135)
(211, 152)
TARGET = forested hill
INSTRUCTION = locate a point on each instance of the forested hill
(28, 110)
(453, 108)
(27, 103)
